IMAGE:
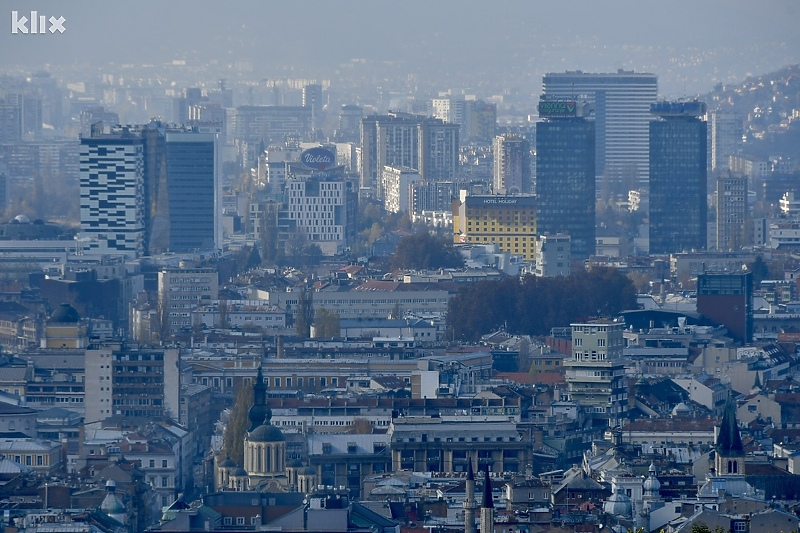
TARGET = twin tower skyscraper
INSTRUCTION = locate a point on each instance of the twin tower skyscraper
(149, 189)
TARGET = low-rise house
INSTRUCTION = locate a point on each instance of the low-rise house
(758, 405)
(42, 456)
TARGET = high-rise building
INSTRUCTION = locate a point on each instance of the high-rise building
(595, 373)
(732, 226)
(165, 190)
(452, 109)
(678, 188)
(512, 164)
(508, 221)
(312, 98)
(94, 114)
(264, 125)
(565, 173)
(10, 121)
(622, 113)
(349, 123)
(726, 128)
(192, 191)
(405, 140)
(432, 196)
(397, 188)
(180, 106)
(387, 140)
(112, 185)
(481, 122)
(438, 150)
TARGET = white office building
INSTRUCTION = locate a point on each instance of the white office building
(621, 103)
(112, 194)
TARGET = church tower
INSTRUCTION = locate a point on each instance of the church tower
(728, 448)
(264, 444)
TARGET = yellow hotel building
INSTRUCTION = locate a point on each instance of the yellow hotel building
(508, 221)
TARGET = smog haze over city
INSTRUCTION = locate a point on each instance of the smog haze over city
(349, 265)
(479, 47)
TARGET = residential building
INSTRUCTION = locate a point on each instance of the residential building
(553, 255)
(481, 122)
(678, 203)
(398, 188)
(43, 456)
(508, 221)
(726, 129)
(512, 165)
(261, 124)
(131, 383)
(181, 291)
(387, 140)
(405, 140)
(784, 235)
(565, 173)
(349, 122)
(452, 109)
(239, 313)
(790, 205)
(621, 103)
(595, 373)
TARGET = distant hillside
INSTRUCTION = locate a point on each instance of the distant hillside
(770, 105)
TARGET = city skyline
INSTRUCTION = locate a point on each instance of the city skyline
(493, 50)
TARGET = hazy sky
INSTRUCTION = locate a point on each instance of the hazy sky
(686, 41)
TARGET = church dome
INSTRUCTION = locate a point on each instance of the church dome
(651, 484)
(65, 314)
(111, 504)
(227, 463)
(309, 471)
(618, 504)
(266, 433)
(239, 472)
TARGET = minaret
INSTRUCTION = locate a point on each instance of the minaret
(469, 502)
(487, 507)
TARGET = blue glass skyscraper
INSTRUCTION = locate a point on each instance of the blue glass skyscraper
(678, 188)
